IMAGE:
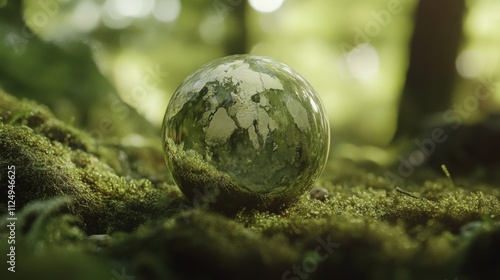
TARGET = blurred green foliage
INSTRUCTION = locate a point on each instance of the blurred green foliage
(354, 54)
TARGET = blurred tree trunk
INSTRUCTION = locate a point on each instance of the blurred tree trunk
(431, 74)
(237, 41)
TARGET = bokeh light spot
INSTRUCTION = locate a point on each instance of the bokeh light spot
(167, 10)
(470, 64)
(266, 6)
(86, 16)
(363, 62)
(132, 8)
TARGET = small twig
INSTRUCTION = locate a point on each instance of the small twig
(405, 192)
(447, 173)
(400, 190)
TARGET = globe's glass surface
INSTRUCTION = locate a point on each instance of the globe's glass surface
(252, 120)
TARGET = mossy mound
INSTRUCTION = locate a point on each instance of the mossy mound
(52, 159)
(90, 211)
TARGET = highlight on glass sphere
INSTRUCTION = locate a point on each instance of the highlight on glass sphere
(245, 131)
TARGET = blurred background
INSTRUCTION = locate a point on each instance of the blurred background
(383, 68)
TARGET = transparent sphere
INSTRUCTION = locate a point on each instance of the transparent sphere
(245, 131)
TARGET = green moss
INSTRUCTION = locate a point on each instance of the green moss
(54, 159)
(51, 245)
(448, 231)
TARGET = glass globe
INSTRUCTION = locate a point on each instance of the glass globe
(245, 131)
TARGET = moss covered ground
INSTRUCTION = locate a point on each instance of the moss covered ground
(106, 210)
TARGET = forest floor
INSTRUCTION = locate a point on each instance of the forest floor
(89, 210)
